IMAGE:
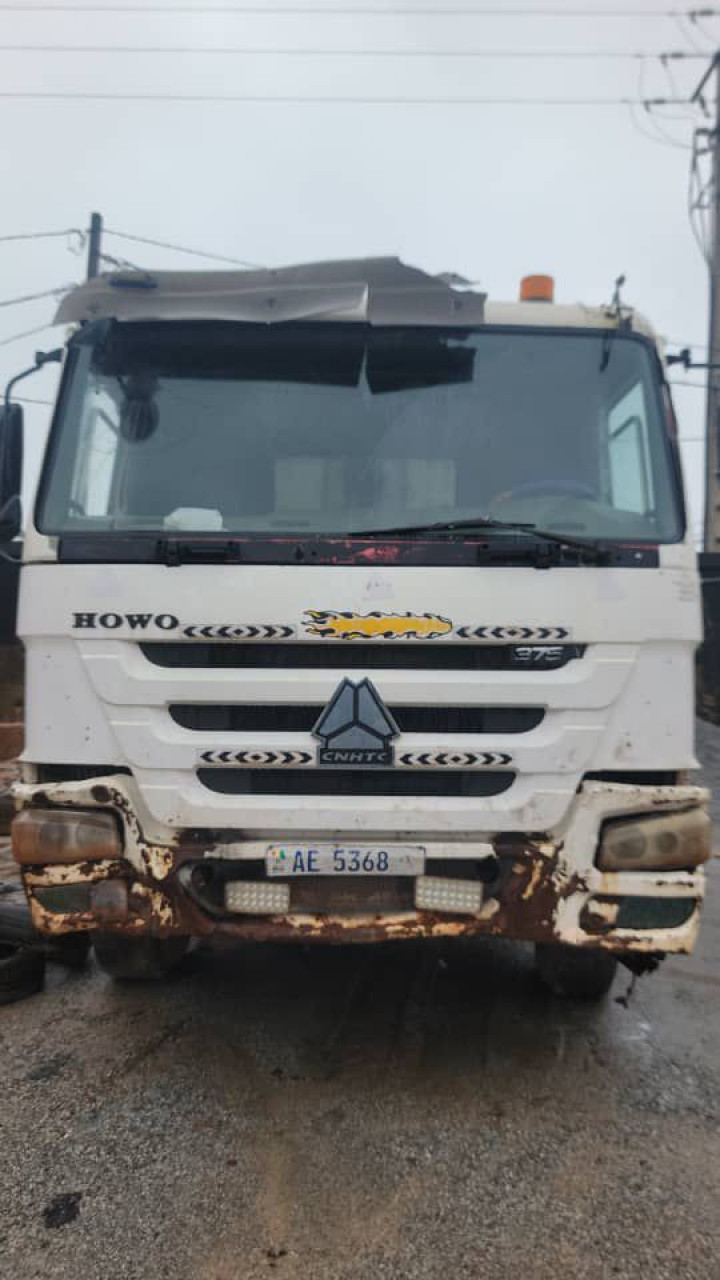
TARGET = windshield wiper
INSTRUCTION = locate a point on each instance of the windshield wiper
(593, 549)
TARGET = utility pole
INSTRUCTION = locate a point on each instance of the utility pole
(712, 431)
(94, 238)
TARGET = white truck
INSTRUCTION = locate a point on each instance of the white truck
(358, 607)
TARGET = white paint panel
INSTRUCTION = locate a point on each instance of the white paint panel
(645, 603)
(122, 675)
(94, 697)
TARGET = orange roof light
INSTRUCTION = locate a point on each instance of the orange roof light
(537, 289)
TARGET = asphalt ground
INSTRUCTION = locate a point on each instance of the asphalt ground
(396, 1111)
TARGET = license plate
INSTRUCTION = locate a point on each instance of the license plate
(337, 860)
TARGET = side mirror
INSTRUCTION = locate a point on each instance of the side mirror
(11, 459)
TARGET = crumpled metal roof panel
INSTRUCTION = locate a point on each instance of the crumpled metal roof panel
(365, 290)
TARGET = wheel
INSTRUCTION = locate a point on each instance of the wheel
(15, 922)
(71, 949)
(22, 971)
(581, 973)
(138, 959)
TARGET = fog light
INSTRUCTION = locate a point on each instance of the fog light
(257, 898)
(441, 893)
(41, 836)
(672, 842)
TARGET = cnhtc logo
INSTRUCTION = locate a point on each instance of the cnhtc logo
(355, 728)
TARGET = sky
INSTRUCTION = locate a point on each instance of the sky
(491, 190)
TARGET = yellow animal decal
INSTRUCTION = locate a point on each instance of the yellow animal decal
(376, 626)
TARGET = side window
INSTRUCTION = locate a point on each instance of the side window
(631, 486)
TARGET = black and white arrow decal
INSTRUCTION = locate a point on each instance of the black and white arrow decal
(454, 759)
(233, 631)
(258, 759)
(513, 634)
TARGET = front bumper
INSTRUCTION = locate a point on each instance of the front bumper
(550, 889)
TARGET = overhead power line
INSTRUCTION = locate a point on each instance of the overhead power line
(675, 55)
(43, 235)
(332, 99)
(675, 342)
(661, 140)
(178, 248)
(28, 333)
(35, 297)
(363, 11)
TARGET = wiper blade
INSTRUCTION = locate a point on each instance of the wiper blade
(593, 548)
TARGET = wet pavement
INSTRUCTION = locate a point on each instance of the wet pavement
(397, 1111)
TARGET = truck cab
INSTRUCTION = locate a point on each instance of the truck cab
(359, 607)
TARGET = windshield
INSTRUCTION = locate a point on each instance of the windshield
(327, 428)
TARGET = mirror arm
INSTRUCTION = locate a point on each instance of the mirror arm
(41, 358)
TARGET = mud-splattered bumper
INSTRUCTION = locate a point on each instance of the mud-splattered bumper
(548, 886)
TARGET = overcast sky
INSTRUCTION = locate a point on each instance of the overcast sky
(492, 192)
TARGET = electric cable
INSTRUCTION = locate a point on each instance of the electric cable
(35, 297)
(360, 11)
(296, 52)
(28, 333)
(40, 95)
(178, 248)
(42, 235)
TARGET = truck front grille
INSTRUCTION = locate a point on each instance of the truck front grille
(341, 655)
(275, 717)
(356, 782)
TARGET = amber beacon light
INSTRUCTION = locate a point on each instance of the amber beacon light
(537, 289)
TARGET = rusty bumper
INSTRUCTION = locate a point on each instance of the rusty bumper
(550, 890)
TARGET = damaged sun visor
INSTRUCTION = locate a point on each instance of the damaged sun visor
(328, 355)
(394, 359)
(410, 359)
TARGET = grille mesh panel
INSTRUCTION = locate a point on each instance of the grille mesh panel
(343, 656)
(355, 782)
(277, 717)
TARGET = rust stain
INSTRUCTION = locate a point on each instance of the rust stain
(530, 887)
(158, 859)
(72, 872)
(599, 917)
(532, 899)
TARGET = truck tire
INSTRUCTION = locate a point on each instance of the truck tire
(15, 923)
(138, 959)
(71, 949)
(22, 971)
(577, 973)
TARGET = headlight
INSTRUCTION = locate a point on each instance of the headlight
(672, 842)
(41, 836)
